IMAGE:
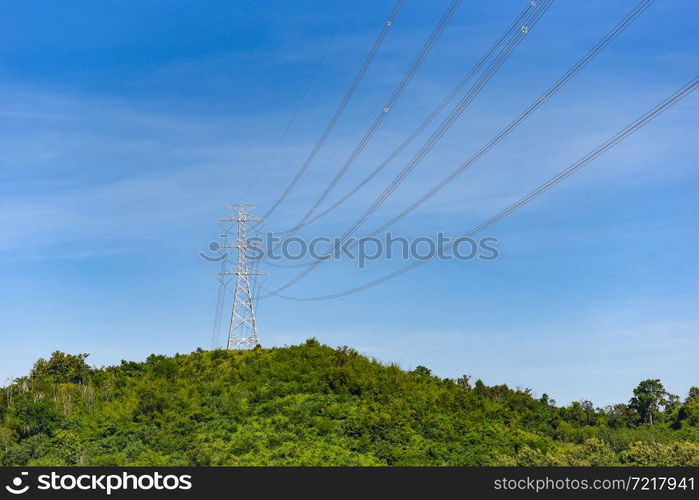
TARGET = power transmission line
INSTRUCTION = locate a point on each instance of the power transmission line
(222, 286)
(436, 135)
(292, 120)
(220, 301)
(333, 155)
(553, 181)
(632, 16)
(398, 91)
(341, 107)
(507, 34)
(603, 43)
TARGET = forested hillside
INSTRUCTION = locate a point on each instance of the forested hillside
(314, 405)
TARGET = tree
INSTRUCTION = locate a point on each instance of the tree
(62, 368)
(621, 416)
(688, 412)
(36, 417)
(464, 382)
(7, 438)
(422, 371)
(648, 399)
(693, 394)
(545, 399)
(580, 413)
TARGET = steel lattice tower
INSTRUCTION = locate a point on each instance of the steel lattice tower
(242, 332)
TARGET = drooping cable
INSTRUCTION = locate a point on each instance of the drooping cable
(429, 144)
(502, 39)
(601, 45)
(341, 107)
(300, 103)
(390, 103)
(553, 181)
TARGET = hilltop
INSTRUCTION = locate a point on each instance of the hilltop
(314, 405)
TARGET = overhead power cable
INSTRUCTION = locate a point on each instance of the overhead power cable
(553, 181)
(632, 16)
(509, 32)
(429, 144)
(292, 120)
(222, 288)
(601, 45)
(364, 122)
(381, 116)
(341, 107)
(504, 37)
(218, 314)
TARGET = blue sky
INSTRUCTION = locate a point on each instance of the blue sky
(126, 127)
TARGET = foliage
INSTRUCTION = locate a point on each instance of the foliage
(61, 368)
(648, 399)
(314, 405)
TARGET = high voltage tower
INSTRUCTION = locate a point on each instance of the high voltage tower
(242, 331)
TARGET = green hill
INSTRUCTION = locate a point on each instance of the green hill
(314, 405)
